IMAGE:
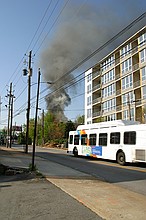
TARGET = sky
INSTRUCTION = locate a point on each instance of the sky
(60, 34)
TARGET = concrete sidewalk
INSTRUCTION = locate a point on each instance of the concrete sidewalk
(106, 200)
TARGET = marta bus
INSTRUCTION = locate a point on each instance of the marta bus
(120, 140)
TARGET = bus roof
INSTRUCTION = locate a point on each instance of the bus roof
(107, 124)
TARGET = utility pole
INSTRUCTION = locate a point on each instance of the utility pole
(11, 121)
(8, 129)
(43, 128)
(129, 107)
(36, 115)
(28, 105)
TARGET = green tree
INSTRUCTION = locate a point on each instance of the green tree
(31, 128)
(22, 138)
(79, 120)
(69, 126)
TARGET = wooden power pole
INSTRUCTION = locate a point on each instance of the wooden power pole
(28, 105)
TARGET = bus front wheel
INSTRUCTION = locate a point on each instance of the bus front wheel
(121, 158)
(75, 151)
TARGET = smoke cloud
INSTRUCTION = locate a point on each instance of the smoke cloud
(82, 31)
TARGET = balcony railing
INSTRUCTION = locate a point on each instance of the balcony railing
(119, 108)
(96, 114)
(96, 87)
(136, 84)
(134, 50)
(135, 67)
(118, 92)
(97, 100)
(117, 61)
(96, 74)
(117, 76)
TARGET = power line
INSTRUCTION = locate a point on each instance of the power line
(39, 24)
(13, 74)
(98, 50)
(45, 24)
(52, 26)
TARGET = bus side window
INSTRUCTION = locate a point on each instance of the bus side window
(76, 139)
(130, 137)
(103, 139)
(83, 139)
(115, 138)
(92, 139)
(71, 139)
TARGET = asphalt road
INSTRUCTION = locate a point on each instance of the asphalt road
(130, 177)
(25, 196)
(106, 199)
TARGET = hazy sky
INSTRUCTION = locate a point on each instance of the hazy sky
(60, 34)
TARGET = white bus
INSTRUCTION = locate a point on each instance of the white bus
(120, 140)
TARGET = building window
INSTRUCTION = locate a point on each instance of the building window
(143, 70)
(127, 82)
(127, 98)
(143, 56)
(111, 117)
(126, 115)
(89, 100)
(107, 63)
(109, 105)
(89, 77)
(109, 76)
(142, 39)
(132, 114)
(126, 65)
(89, 88)
(89, 113)
(125, 50)
(108, 91)
(144, 92)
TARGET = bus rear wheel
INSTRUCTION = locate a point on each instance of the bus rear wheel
(121, 158)
(75, 151)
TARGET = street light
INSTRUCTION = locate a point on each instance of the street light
(135, 101)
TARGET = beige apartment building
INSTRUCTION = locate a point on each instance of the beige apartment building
(115, 88)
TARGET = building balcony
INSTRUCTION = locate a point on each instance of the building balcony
(134, 50)
(117, 76)
(95, 74)
(97, 100)
(136, 84)
(117, 61)
(137, 102)
(96, 87)
(96, 114)
(118, 108)
(118, 92)
(135, 67)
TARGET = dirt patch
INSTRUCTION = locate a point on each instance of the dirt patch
(9, 171)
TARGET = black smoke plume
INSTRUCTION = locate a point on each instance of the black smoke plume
(82, 30)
